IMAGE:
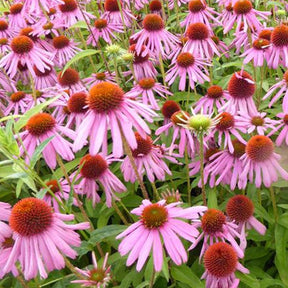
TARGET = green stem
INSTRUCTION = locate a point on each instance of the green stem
(188, 177)
(162, 69)
(201, 139)
(157, 196)
(152, 278)
(120, 214)
(273, 199)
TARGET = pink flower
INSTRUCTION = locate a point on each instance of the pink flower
(70, 14)
(16, 19)
(171, 3)
(96, 168)
(70, 79)
(148, 158)
(200, 41)
(45, 79)
(18, 103)
(33, 7)
(5, 211)
(240, 209)
(215, 96)
(242, 40)
(283, 126)
(113, 15)
(64, 50)
(5, 31)
(96, 78)
(25, 52)
(111, 109)
(216, 228)
(44, 234)
(279, 51)
(142, 65)
(244, 12)
(259, 52)
(221, 261)
(257, 122)
(104, 29)
(200, 12)
(187, 64)
(145, 90)
(241, 88)
(282, 85)
(61, 190)
(159, 221)
(261, 160)
(155, 37)
(97, 277)
(41, 127)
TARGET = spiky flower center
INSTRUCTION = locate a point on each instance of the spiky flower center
(169, 108)
(100, 24)
(213, 221)
(53, 185)
(153, 22)
(104, 97)
(68, 78)
(77, 102)
(30, 216)
(52, 11)
(46, 72)
(60, 42)
(220, 259)
(17, 96)
(259, 148)
(97, 275)
(240, 208)
(16, 8)
(144, 146)
(21, 44)
(229, 7)
(185, 59)
(154, 216)
(285, 77)
(239, 148)
(155, 5)
(93, 166)
(146, 83)
(285, 119)
(210, 152)
(100, 76)
(195, 6)
(178, 117)
(3, 25)
(279, 36)
(257, 121)
(239, 87)
(265, 34)
(226, 121)
(112, 5)
(138, 58)
(40, 124)
(215, 92)
(48, 26)
(260, 44)
(3, 41)
(28, 32)
(197, 31)
(200, 123)
(68, 6)
(242, 7)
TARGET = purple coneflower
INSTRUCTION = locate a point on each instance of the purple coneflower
(64, 50)
(186, 64)
(41, 127)
(96, 168)
(111, 109)
(45, 234)
(145, 90)
(200, 41)
(159, 223)
(221, 262)
(261, 160)
(18, 103)
(240, 209)
(5, 31)
(70, 79)
(15, 16)
(96, 78)
(25, 52)
(98, 277)
(155, 37)
(45, 79)
(283, 126)
(104, 29)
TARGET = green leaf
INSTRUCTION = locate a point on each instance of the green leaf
(248, 280)
(212, 198)
(37, 153)
(19, 187)
(281, 259)
(24, 118)
(102, 234)
(78, 56)
(185, 275)
(79, 24)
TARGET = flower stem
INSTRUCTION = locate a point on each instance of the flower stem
(155, 191)
(202, 168)
(120, 214)
(73, 269)
(188, 177)
(162, 69)
(21, 279)
(152, 278)
(273, 199)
